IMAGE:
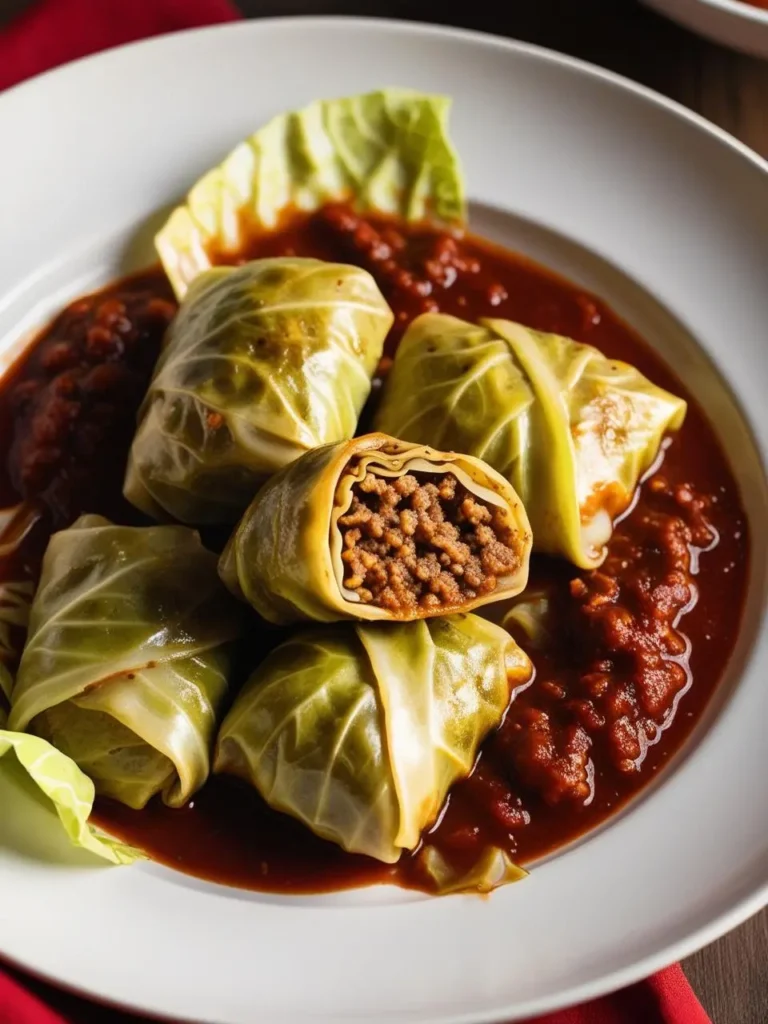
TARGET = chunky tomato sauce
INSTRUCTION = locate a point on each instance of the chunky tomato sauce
(629, 654)
(70, 408)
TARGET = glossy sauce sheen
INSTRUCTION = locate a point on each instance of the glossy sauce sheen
(636, 649)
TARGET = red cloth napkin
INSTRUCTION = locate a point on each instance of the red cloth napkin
(666, 998)
(52, 32)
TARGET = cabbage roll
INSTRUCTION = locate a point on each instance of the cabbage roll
(126, 664)
(572, 430)
(376, 528)
(262, 363)
(359, 730)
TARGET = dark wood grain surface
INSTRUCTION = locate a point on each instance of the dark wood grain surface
(731, 976)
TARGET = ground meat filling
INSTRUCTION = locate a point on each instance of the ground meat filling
(423, 541)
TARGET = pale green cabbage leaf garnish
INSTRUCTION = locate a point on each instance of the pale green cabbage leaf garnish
(386, 151)
(70, 791)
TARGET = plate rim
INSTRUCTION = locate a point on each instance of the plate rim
(286, 21)
(745, 907)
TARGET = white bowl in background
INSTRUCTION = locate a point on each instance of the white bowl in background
(733, 23)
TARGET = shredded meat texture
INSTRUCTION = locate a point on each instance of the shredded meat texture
(424, 542)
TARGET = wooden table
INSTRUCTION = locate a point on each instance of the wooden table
(730, 977)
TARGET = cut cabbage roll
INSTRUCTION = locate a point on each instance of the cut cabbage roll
(572, 430)
(359, 730)
(126, 664)
(262, 363)
(376, 528)
(386, 151)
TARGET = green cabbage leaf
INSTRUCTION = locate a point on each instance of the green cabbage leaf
(387, 151)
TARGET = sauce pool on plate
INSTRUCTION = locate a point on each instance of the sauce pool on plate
(627, 657)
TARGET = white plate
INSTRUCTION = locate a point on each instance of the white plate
(730, 22)
(626, 193)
